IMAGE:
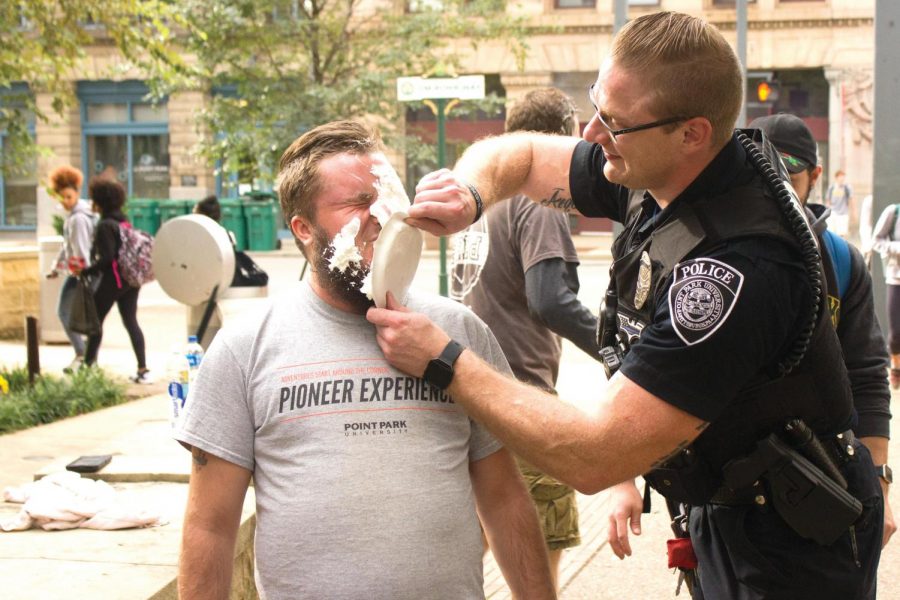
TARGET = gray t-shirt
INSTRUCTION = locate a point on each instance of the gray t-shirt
(361, 472)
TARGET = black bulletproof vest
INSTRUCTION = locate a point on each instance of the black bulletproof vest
(817, 390)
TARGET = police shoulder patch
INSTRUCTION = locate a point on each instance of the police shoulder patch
(703, 293)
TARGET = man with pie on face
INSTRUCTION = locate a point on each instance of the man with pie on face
(727, 386)
(369, 482)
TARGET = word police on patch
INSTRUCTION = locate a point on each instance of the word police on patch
(703, 293)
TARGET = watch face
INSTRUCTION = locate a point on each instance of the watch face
(886, 473)
(439, 373)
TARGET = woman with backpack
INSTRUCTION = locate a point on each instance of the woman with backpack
(886, 241)
(108, 197)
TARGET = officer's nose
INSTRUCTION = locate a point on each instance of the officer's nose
(596, 133)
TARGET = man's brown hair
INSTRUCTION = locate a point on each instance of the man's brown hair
(65, 177)
(298, 169)
(545, 110)
(689, 67)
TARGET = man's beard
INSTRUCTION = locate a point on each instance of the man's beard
(343, 285)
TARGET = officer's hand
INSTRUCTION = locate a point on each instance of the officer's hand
(627, 504)
(889, 525)
(442, 205)
(409, 340)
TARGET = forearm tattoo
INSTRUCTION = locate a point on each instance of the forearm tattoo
(684, 444)
(664, 459)
(558, 202)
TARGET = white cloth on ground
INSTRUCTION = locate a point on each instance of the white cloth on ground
(65, 500)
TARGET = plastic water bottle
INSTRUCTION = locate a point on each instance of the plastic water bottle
(178, 372)
(194, 354)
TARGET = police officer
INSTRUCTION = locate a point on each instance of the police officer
(851, 307)
(720, 329)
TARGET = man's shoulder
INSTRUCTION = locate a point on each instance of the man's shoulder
(437, 307)
(452, 316)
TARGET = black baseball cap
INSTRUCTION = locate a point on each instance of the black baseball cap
(792, 138)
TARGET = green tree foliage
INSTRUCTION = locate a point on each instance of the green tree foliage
(42, 43)
(280, 67)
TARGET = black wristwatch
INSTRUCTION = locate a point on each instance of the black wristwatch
(439, 371)
(885, 473)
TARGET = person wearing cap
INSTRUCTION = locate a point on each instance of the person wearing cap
(368, 483)
(852, 309)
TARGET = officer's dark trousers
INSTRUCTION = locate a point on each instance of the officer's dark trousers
(749, 552)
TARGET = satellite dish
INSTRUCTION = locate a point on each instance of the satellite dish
(192, 255)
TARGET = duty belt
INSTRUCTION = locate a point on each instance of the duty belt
(839, 447)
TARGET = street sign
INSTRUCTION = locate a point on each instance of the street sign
(467, 87)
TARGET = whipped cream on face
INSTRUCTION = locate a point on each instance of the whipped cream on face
(392, 196)
(366, 287)
(347, 257)
(346, 254)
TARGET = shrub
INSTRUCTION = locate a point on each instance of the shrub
(53, 398)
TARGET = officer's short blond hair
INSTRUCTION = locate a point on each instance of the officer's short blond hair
(688, 65)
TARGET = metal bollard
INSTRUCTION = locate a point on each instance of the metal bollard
(31, 340)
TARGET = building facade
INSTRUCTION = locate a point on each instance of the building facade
(817, 54)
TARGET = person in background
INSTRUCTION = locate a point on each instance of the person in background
(246, 272)
(839, 198)
(78, 231)
(524, 285)
(886, 241)
(108, 198)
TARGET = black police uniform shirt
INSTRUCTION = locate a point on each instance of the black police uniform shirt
(702, 371)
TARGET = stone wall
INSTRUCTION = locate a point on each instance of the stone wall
(19, 290)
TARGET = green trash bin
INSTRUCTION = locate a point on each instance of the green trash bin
(233, 220)
(144, 214)
(169, 209)
(262, 218)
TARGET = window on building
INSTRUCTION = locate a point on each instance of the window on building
(643, 2)
(125, 136)
(18, 186)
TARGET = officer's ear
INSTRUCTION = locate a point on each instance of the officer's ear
(697, 135)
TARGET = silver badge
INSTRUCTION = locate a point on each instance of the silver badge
(643, 282)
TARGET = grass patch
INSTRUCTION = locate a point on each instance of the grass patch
(53, 398)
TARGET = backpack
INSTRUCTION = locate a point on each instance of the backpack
(839, 252)
(134, 263)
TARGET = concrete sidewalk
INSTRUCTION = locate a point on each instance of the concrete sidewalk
(136, 434)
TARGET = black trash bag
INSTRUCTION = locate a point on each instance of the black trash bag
(247, 273)
(83, 314)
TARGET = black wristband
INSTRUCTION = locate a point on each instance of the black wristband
(479, 204)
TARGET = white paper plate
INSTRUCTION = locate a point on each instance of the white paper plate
(395, 259)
